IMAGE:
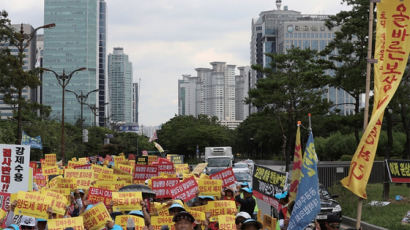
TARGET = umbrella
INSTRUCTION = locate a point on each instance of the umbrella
(146, 191)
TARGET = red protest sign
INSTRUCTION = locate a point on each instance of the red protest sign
(96, 195)
(227, 176)
(4, 201)
(161, 186)
(184, 190)
(165, 166)
(131, 156)
(40, 180)
(144, 172)
(87, 166)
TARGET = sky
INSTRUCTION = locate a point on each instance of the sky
(167, 38)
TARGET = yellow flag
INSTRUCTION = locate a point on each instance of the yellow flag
(297, 166)
(160, 149)
(392, 51)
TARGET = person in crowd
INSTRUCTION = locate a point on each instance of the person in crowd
(255, 211)
(183, 221)
(228, 194)
(206, 199)
(27, 222)
(251, 224)
(283, 212)
(240, 218)
(331, 223)
(247, 203)
(175, 208)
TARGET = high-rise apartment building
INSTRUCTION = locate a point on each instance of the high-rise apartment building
(29, 62)
(135, 99)
(120, 86)
(275, 31)
(242, 86)
(72, 44)
(214, 92)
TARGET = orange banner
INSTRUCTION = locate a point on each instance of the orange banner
(392, 51)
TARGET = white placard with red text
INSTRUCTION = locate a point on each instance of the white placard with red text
(14, 174)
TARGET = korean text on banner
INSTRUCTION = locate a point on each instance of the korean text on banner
(4, 201)
(159, 221)
(126, 201)
(185, 190)
(32, 204)
(14, 168)
(59, 224)
(399, 170)
(307, 203)
(392, 51)
(266, 183)
(210, 187)
(50, 159)
(50, 170)
(144, 172)
(58, 201)
(161, 186)
(84, 177)
(142, 160)
(221, 207)
(96, 217)
(227, 176)
(226, 222)
(199, 168)
(121, 220)
(96, 195)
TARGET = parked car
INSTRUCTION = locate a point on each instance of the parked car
(243, 176)
(328, 205)
(241, 167)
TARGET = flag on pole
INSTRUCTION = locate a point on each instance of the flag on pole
(296, 169)
(153, 137)
(34, 142)
(392, 51)
(307, 203)
(159, 148)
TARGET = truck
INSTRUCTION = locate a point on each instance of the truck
(218, 158)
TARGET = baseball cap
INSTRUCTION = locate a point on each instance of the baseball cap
(116, 227)
(246, 189)
(206, 197)
(90, 206)
(12, 227)
(281, 195)
(176, 205)
(183, 215)
(244, 184)
(28, 221)
(244, 215)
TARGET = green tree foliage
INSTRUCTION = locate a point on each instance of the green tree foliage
(348, 51)
(182, 134)
(293, 87)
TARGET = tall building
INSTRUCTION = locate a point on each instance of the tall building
(214, 92)
(135, 100)
(275, 31)
(39, 63)
(29, 61)
(242, 86)
(102, 73)
(120, 86)
(74, 43)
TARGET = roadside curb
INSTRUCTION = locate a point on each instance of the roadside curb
(365, 226)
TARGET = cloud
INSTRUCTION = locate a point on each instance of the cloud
(167, 38)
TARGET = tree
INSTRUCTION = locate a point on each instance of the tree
(293, 87)
(182, 134)
(348, 51)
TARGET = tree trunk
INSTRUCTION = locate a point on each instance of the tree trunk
(19, 105)
(406, 128)
(389, 123)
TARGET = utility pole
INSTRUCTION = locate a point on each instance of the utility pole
(82, 98)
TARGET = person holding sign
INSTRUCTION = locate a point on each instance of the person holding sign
(248, 202)
(240, 218)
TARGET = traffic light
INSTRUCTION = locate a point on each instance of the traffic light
(85, 135)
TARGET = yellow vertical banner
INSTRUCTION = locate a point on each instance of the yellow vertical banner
(96, 217)
(297, 166)
(392, 51)
(58, 224)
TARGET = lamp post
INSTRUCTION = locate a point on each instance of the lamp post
(82, 98)
(63, 80)
(94, 109)
(21, 41)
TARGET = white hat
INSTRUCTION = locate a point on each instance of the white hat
(244, 215)
(28, 221)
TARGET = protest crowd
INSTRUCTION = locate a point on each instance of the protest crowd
(118, 192)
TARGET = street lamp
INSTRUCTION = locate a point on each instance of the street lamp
(63, 80)
(21, 42)
(94, 109)
(82, 98)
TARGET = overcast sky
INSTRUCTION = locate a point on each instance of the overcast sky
(168, 38)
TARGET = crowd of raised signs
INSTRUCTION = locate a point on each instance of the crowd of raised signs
(119, 192)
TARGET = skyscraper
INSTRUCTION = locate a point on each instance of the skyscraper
(120, 86)
(135, 99)
(242, 85)
(29, 61)
(72, 44)
(275, 31)
(187, 95)
(102, 74)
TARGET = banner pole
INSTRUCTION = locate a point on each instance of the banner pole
(366, 108)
